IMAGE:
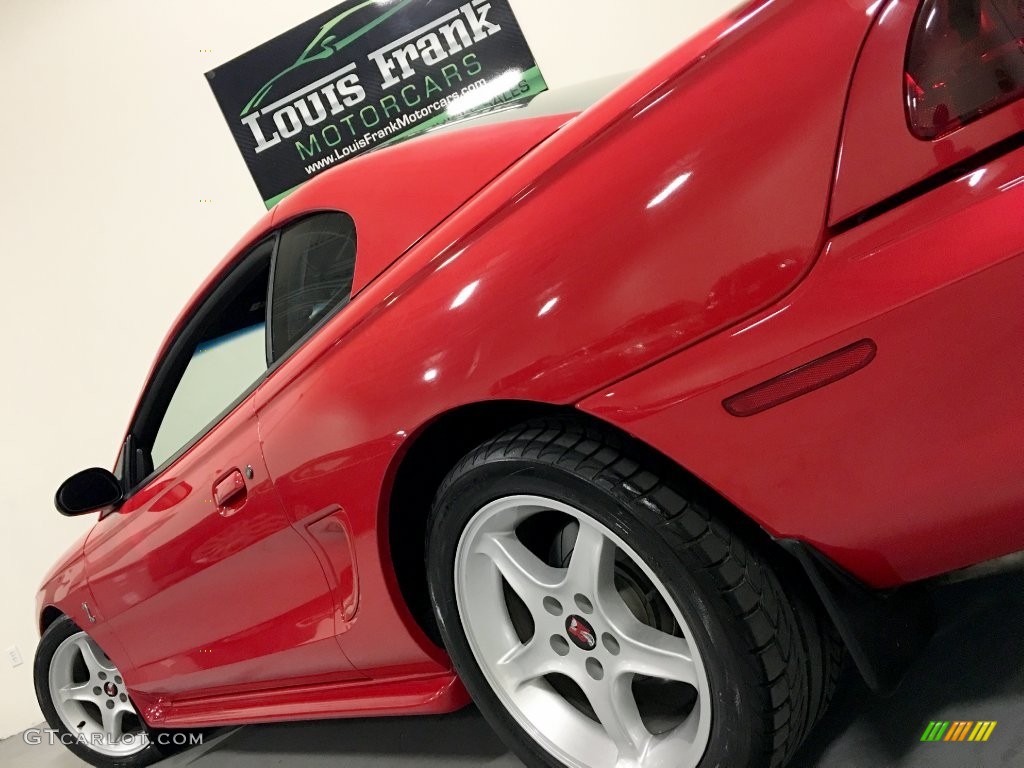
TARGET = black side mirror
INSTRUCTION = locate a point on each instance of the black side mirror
(90, 490)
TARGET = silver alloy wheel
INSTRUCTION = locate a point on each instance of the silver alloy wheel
(89, 695)
(583, 630)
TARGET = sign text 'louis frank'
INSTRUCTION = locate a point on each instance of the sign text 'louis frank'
(364, 74)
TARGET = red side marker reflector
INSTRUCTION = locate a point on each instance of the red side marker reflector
(799, 381)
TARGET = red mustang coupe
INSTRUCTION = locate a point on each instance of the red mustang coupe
(630, 423)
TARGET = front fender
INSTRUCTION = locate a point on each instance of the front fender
(65, 588)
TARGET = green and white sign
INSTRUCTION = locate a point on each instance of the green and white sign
(364, 74)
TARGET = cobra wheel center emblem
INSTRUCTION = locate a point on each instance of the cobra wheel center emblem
(581, 633)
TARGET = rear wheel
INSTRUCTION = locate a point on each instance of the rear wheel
(601, 618)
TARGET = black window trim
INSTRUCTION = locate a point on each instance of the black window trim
(268, 341)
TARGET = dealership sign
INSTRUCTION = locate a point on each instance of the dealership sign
(364, 74)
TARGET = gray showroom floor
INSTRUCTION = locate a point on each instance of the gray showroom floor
(973, 670)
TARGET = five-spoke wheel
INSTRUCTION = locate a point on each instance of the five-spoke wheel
(91, 698)
(601, 616)
(579, 666)
(84, 699)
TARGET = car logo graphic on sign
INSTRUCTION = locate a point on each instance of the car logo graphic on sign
(581, 633)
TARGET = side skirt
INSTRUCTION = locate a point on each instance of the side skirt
(408, 696)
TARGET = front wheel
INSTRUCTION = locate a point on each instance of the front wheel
(83, 698)
(601, 618)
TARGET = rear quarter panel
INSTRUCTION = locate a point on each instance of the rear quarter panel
(649, 222)
(910, 467)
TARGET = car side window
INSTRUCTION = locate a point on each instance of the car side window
(313, 273)
(225, 355)
(965, 59)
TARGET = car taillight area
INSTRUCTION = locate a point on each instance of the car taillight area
(966, 58)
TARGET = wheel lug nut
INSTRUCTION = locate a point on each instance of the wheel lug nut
(102, 675)
(594, 668)
(123, 697)
(97, 691)
(559, 645)
(110, 703)
(584, 604)
(552, 606)
(118, 680)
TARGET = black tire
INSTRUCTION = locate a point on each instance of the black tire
(770, 660)
(59, 631)
(827, 653)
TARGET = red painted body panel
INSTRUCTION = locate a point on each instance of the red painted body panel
(416, 185)
(910, 467)
(170, 551)
(665, 249)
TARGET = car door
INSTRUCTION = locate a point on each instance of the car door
(200, 573)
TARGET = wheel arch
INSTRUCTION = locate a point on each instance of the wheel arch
(47, 616)
(438, 445)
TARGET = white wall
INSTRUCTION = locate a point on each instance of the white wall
(109, 140)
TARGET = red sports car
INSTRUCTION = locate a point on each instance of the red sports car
(628, 423)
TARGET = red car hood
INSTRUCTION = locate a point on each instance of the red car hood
(399, 194)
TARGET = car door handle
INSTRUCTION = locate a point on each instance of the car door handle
(228, 488)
